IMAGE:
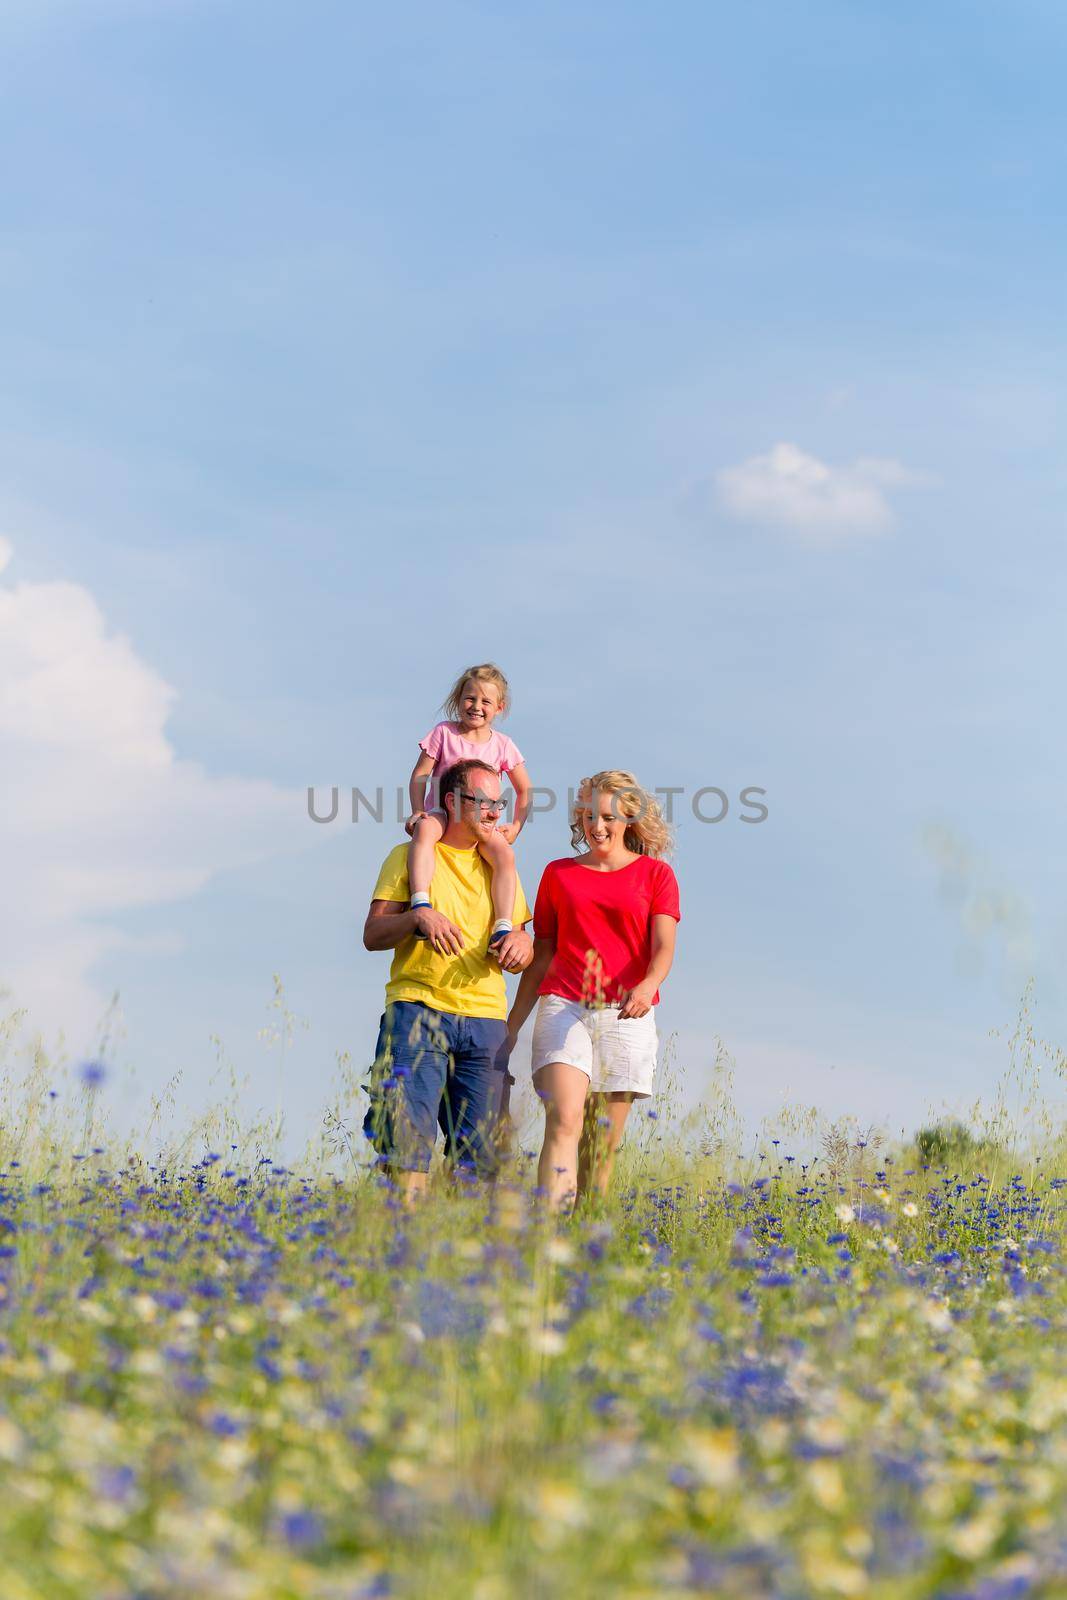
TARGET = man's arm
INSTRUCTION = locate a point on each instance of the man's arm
(389, 922)
(515, 950)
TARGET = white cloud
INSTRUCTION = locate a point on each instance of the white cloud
(791, 489)
(100, 815)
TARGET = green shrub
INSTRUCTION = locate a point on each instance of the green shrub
(944, 1141)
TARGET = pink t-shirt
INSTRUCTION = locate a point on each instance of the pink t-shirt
(447, 745)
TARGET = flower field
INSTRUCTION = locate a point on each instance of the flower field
(828, 1377)
(819, 1364)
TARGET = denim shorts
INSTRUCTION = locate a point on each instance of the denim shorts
(433, 1070)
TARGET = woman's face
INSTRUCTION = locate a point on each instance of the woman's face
(602, 823)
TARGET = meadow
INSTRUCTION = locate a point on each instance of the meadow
(821, 1364)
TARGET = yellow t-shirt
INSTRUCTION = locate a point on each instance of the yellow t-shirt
(472, 983)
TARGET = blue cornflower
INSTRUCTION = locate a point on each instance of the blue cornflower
(223, 1426)
(116, 1483)
(92, 1074)
(444, 1314)
(301, 1528)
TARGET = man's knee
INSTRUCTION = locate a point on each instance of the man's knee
(471, 1105)
(401, 1133)
(405, 1087)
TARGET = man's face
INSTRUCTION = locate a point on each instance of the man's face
(478, 805)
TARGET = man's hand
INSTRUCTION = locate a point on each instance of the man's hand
(409, 825)
(442, 935)
(638, 1002)
(509, 831)
(515, 951)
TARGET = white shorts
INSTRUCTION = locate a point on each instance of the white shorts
(617, 1054)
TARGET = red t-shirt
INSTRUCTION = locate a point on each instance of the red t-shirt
(601, 925)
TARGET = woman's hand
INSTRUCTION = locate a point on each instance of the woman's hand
(638, 1001)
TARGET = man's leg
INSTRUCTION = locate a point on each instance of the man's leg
(406, 1082)
(474, 1094)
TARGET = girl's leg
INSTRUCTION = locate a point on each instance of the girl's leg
(562, 1089)
(605, 1119)
(501, 858)
(424, 836)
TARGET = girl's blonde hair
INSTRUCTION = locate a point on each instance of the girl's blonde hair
(486, 673)
(647, 835)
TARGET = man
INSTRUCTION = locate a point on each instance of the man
(445, 1002)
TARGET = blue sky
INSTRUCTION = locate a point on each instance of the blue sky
(706, 369)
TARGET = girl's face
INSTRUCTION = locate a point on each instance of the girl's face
(603, 824)
(479, 703)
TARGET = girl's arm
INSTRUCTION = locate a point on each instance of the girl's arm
(638, 1002)
(520, 782)
(526, 994)
(417, 784)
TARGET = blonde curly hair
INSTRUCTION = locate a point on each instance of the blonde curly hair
(647, 835)
(488, 672)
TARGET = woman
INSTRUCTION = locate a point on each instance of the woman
(604, 930)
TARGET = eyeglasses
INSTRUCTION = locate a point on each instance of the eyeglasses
(482, 804)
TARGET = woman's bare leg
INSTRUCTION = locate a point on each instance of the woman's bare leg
(424, 836)
(605, 1119)
(562, 1089)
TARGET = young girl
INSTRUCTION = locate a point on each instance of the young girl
(477, 698)
(604, 932)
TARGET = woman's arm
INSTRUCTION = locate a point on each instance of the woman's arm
(638, 1002)
(526, 994)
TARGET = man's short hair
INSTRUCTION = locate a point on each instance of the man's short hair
(458, 777)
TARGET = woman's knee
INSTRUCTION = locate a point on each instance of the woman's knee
(564, 1121)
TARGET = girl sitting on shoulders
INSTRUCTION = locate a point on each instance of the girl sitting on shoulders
(477, 699)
